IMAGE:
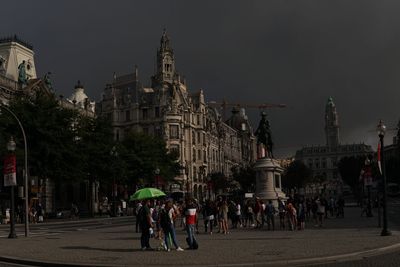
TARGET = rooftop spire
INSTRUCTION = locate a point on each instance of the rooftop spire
(79, 85)
(164, 41)
(136, 73)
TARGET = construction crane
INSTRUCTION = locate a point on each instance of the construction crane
(225, 104)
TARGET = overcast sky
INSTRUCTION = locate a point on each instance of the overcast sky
(293, 52)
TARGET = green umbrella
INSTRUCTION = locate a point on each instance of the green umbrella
(146, 193)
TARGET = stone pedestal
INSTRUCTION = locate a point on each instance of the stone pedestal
(268, 180)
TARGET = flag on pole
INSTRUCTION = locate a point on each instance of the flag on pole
(379, 158)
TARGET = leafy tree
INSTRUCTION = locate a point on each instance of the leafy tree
(94, 141)
(350, 169)
(245, 176)
(143, 154)
(219, 181)
(296, 175)
(50, 137)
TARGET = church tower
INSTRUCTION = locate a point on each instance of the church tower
(165, 60)
(331, 125)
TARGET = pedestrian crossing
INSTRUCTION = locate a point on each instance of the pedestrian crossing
(41, 231)
(50, 229)
(4, 234)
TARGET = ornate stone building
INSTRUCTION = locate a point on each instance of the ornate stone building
(168, 109)
(14, 55)
(324, 159)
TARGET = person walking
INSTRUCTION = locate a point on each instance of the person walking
(224, 213)
(238, 215)
(282, 213)
(258, 212)
(301, 215)
(340, 207)
(208, 214)
(249, 215)
(166, 219)
(190, 220)
(137, 209)
(146, 225)
(320, 210)
(292, 215)
(40, 212)
(270, 214)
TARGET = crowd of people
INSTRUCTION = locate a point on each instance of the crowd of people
(159, 219)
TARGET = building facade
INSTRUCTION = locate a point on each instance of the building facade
(168, 109)
(323, 159)
(15, 54)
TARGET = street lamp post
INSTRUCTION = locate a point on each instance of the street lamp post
(11, 148)
(157, 178)
(209, 186)
(25, 171)
(114, 153)
(381, 133)
(202, 173)
(187, 180)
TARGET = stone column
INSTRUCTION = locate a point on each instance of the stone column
(267, 170)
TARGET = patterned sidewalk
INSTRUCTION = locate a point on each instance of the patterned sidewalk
(119, 246)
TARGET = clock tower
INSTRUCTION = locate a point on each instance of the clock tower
(165, 61)
(331, 125)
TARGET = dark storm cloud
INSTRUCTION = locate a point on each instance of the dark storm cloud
(293, 52)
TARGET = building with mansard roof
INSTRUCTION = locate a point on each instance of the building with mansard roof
(323, 159)
(169, 109)
(15, 53)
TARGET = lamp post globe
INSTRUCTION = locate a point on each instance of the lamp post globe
(381, 129)
(25, 171)
(11, 146)
(114, 154)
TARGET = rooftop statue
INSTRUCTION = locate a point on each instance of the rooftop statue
(47, 80)
(264, 137)
(22, 78)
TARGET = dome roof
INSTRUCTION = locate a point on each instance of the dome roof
(238, 120)
(79, 96)
(330, 102)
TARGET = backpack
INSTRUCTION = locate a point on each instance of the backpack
(155, 214)
(165, 220)
(142, 218)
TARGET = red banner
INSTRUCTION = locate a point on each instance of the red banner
(10, 170)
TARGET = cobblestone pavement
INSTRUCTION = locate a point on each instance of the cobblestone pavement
(120, 246)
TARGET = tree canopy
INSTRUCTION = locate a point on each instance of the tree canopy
(51, 150)
(246, 177)
(296, 175)
(350, 169)
(143, 155)
(65, 145)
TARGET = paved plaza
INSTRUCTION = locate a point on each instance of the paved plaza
(117, 245)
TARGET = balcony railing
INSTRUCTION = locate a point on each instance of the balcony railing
(9, 83)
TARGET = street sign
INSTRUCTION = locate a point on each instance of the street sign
(10, 172)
